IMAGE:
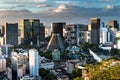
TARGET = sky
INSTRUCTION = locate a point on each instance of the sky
(69, 11)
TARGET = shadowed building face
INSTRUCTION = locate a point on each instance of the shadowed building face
(31, 31)
(95, 30)
(11, 33)
(57, 28)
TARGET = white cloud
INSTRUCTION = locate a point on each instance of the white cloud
(60, 8)
(64, 13)
(12, 7)
(38, 0)
(109, 6)
(22, 1)
(42, 5)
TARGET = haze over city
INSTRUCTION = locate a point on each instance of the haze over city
(70, 11)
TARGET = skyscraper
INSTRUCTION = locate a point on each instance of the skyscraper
(114, 24)
(74, 34)
(31, 31)
(11, 33)
(95, 30)
(42, 33)
(34, 62)
(113, 28)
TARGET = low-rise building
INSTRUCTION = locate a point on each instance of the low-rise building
(56, 55)
(19, 61)
(46, 64)
(28, 77)
(70, 65)
(106, 46)
(2, 64)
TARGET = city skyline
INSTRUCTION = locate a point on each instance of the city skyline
(70, 11)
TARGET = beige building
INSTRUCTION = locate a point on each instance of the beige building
(21, 70)
(2, 64)
(19, 59)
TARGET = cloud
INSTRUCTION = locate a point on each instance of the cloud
(63, 13)
(73, 10)
(43, 5)
(30, 1)
(21, 1)
(74, 3)
(60, 8)
(14, 12)
(39, 0)
(109, 6)
(11, 7)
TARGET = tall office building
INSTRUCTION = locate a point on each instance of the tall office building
(34, 62)
(75, 34)
(114, 24)
(56, 41)
(11, 33)
(42, 33)
(31, 31)
(104, 35)
(95, 30)
(113, 28)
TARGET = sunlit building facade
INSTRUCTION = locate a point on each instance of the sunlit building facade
(34, 62)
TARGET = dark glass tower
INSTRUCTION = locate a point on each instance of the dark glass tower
(95, 30)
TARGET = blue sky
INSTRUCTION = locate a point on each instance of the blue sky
(70, 11)
(40, 5)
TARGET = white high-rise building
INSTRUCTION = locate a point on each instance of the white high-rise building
(34, 62)
(104, 35)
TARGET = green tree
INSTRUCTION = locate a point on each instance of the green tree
(77, 78)
(76, 73)
(64, 55)
(101, 75)
(114, 51)
(102, 71)
(46, 75)
(43, 72)
(94, 47)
